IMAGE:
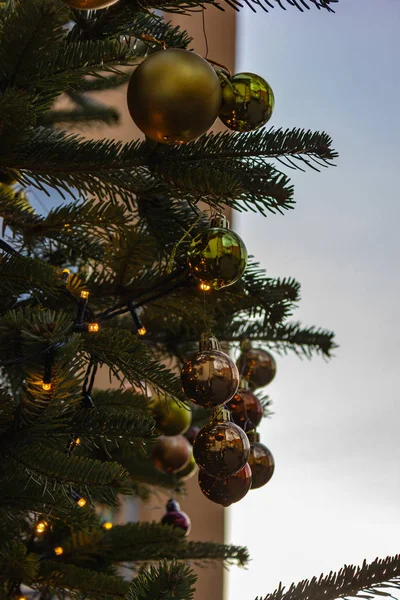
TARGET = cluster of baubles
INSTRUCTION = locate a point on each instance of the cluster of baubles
(174, 97)
(227, 450)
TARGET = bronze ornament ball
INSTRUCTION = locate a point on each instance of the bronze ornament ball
(247, 102)
(171, 454)
(90, 4)
(171, 418)
(217, 257)
(246, 409)
(262, 464)
(226, 491)
(174, 96)
(189, 471)
(209, 378)
(221, 449)
(257, 366)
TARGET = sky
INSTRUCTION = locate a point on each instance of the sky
(334, 497)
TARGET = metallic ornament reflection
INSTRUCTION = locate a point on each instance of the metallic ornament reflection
(247, 102)
(174, 96)
(226, 491)
(257, 366)
(221, 449)
(246, 409)
(217, 257)
(210, 378)
(90, 4)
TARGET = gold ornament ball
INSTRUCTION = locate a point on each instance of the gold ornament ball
(217, 257)
(210, 378)
(221, 449)
(257, 366)
(226, 491)
(174, 96)
(171, 418)
(89, 4)
(262, 464)
(171, 454)
(247, 102)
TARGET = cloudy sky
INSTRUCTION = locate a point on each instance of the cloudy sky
(334, 498)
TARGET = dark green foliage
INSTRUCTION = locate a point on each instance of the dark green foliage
(378, 578)
(171, 580)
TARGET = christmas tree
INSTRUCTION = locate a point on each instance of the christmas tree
(128, 274)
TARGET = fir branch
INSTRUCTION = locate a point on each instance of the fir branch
(16, 564)
(366, 581)
(47, 466)
(59, 576)
(170, 581)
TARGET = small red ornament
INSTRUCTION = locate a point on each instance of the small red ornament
(261, 461)
(175, 517)
(226, 491)
(246, 409)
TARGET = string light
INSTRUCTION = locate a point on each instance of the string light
(41, 526)
(93, 327)
(78, 441)
(22, 598)
(46, 386)
(107, 525)
(48, 370)
(142, 331)
(78, 499)
(65, 275)
(81, 502)
(205, 287)
(58, 550)
(85, 294)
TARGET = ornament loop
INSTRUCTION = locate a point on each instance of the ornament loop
(208, 342)
(219, 220)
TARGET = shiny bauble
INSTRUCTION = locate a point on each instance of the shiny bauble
(189, 471)
(217, 256)
(89, 4)
(191, 433)
(210, 377)
(226, 491)
(171, 454)
(221, 448)
(257, 366)
(171, 418)
(247, 102)
(174, 96)
(246, 409)
(261, 462)
(177, 518)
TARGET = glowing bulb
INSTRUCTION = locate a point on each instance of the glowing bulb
(93, 327)
(78, 441)
(84, 294)
(21, 597)
(142, 331)
(46, 386)
(205, 287)
(41, 526)
(59, 550)
(66, 271)
(81, 502)
(107, 525)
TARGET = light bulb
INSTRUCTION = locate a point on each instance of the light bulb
(107, 525)
(84, 294)
(46, 386)
(142, 331)
(81, 502)
(41, 526)
(59, 550)
(93, 327)
(205, 287)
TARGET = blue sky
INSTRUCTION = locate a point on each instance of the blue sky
(334, 496)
